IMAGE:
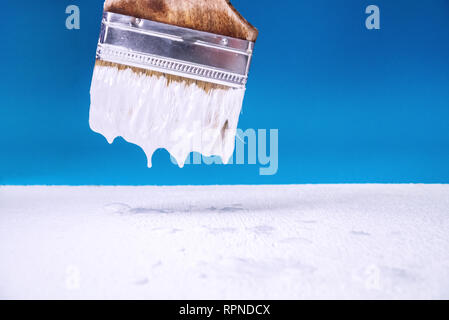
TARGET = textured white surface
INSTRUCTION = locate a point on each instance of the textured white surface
(255, 242)
(151, 114)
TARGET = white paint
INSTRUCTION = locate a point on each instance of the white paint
(179, 118)
(225, 242)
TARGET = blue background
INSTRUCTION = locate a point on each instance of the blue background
(351, 105)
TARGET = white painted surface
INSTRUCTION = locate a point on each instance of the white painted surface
(245, 242)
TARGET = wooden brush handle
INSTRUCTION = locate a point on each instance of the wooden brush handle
(215, 16)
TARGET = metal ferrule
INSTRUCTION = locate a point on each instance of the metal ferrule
(178, 51)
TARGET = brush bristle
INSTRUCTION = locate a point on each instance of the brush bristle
(169, 78)
(155, 110)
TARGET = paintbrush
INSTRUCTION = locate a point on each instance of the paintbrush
(171, 74)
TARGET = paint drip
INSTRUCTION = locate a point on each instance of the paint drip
(179, 117)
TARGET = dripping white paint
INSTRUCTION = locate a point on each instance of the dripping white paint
(141, 110)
